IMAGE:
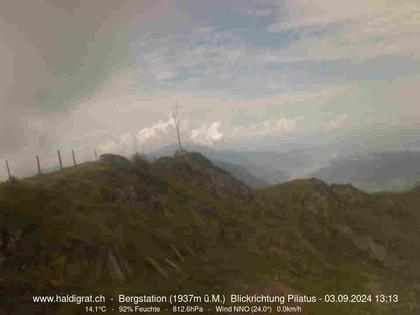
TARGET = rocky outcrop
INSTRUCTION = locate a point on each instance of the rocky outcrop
(365, 244)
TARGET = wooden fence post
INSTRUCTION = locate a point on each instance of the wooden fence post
(59, 160)
(74, 157)
(8, 169)
(38, 164)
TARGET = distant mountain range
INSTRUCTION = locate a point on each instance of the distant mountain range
(376, 171)
(255, 168)
(241, 173)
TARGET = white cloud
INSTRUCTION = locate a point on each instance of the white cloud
(300, 14)
(268, 127)
(356, 29)
(257, 12)
(383, 16)
(155, 131)
(108, 147)
(325, 94)
(120, 108)
(207, 134)
(157, 134)
(286, 125)
(128, 143)
(337, 122)
(127, 139)
(125, 144)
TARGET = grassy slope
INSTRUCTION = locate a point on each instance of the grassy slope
(62, 232)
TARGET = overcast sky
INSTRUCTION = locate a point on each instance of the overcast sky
(105, 74)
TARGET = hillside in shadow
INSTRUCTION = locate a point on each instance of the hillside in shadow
(182, 224)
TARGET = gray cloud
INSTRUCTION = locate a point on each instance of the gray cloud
(53, 53)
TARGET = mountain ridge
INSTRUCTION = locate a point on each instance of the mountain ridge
(182, 223)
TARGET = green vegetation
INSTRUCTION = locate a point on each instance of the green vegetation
(181, 224)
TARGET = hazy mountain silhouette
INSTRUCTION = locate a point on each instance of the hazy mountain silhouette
(376, 171)
(267, 166)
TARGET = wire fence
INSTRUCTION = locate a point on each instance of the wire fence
(48, 164)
